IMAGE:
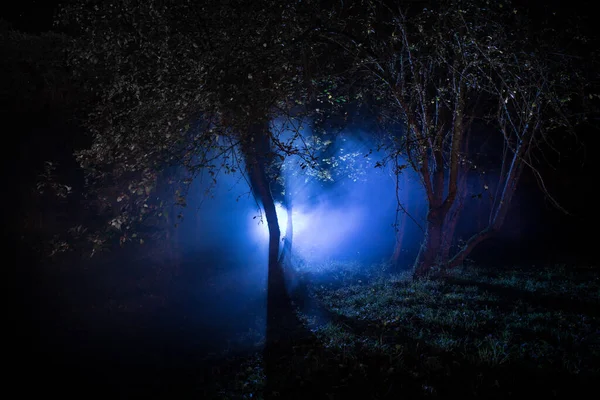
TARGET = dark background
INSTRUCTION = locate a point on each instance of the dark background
(535, 233)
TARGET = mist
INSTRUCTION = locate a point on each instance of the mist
(345, 214)
(214, 304)
(348, 216)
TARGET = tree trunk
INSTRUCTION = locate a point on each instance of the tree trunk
(282, 321)
(449, 230)
(430, 251)
(452, 218)
(431, 247)
(257, 152)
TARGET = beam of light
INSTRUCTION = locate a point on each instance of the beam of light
(329, 231)
(260, 228)
(318, 231)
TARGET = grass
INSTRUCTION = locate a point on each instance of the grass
(473, 333)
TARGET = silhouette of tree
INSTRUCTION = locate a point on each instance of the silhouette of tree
(441, 69)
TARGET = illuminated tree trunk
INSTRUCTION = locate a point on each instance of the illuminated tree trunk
(257, 152)
(282, 321)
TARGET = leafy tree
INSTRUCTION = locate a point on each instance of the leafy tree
(188, 88)
(179, 86)
(195, 87)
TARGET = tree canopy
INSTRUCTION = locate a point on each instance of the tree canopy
(179, 85)
(204, 88)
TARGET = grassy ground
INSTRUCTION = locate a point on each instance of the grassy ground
(473, 333)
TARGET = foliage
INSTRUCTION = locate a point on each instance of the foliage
(179, 85)
(182, 88)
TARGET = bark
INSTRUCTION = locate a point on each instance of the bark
(430, 251)
(452, 217)
(431, 247)
(450, 228)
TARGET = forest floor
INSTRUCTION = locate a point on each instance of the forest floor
(364, 332)
(473, 333)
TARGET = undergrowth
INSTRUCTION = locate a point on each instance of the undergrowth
(474, 333)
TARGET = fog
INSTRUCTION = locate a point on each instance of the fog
(344, 213)
(213, 299)
(349, 215)
(224, 235)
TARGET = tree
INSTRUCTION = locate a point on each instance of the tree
(442, 69)
(180, 86)
(188, 88)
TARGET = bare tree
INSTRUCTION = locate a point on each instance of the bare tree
(442, 68)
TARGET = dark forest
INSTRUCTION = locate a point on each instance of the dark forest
(335, 199)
